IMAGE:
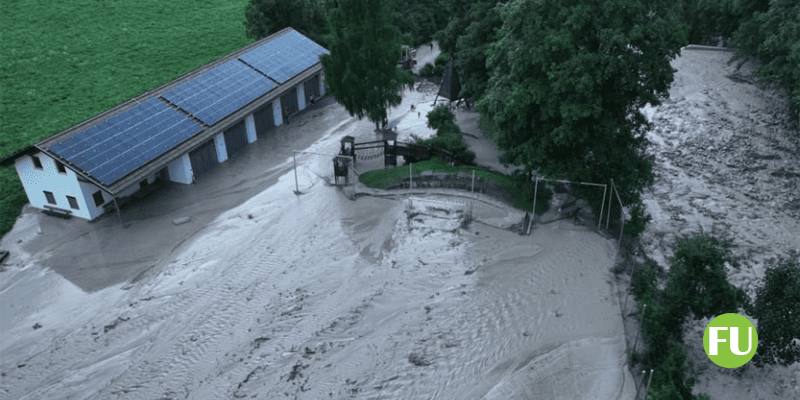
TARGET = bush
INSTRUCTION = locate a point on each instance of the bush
(777, 309)
(448, 135)
(696, 283)
(697, 280)
(427, 70)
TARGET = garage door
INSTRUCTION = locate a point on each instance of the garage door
(289, 102)
(265, 120)
(203, 159)
(311, 88)
(236, 139)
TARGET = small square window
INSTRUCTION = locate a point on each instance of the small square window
(61, 168)
(50, 198)
(73, 203)
(98, 198)
(37, 162)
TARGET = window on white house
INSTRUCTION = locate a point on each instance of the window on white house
(37, 162)
(73, 203)
(61, 168)
(98, 198)
(50, 197)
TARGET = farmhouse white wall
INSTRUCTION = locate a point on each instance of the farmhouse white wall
(36, 181)
(321, 84)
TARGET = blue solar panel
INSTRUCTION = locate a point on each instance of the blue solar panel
(285, 56)
(125, 141)
(219, 91)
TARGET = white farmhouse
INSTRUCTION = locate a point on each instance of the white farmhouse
(176, 132)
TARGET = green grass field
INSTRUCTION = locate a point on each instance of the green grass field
(63, 62)
(517, 186)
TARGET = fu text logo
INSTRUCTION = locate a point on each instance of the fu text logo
(730, 340)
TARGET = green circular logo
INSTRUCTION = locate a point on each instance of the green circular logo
(730, 340)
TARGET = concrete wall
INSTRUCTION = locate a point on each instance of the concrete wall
(36, 181)
(321, 84)
(301, 96)
(180, 170)
(277, 113)
(250, 125)
(219, 144)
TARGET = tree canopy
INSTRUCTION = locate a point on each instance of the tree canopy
(777, 309)
(567, 79)
(265, 17)
(362, 69)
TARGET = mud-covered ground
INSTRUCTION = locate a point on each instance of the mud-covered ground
(265, 294)
(727, 163)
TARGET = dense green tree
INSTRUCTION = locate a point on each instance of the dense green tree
(419, 20)
(567, 81)
(698, 282)
(362, 69)
(467, 37)
(264, 17)
(777, 309)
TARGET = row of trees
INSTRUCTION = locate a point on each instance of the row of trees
(696, 286)
(558, 82)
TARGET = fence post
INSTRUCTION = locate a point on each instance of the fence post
(610, 194)
(533, 211)
(647, 388)
(410, 176)
(294, 162)
(473, 181)
(602, 207)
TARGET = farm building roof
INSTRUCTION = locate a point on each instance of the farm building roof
(119, 147)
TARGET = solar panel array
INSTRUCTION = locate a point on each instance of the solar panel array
(125, 141)
(219, 91)
(285, 56)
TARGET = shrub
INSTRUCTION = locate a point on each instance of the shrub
(448, 135)
(427, 70)
(697, 280)
(777, 309)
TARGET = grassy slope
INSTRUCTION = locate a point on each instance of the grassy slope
(517, 186)
(63, 62)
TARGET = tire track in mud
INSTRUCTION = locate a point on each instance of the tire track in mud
(220, 309)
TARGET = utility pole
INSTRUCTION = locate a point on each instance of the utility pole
(296, 184)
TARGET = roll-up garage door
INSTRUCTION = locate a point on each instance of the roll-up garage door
(311, 88)
(265, 120)
(203, 159)
(289, 102)
(235, 139)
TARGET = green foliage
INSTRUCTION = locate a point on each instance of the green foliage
(567, 80)
(98, 54)
(698, 282)
(448, 135)
(468, 36)
(361, 69)
(777, 309)
(419, 20)
(427, 71)
(265, 17)
(518, 186)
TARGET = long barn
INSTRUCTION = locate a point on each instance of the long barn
(176, 132)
